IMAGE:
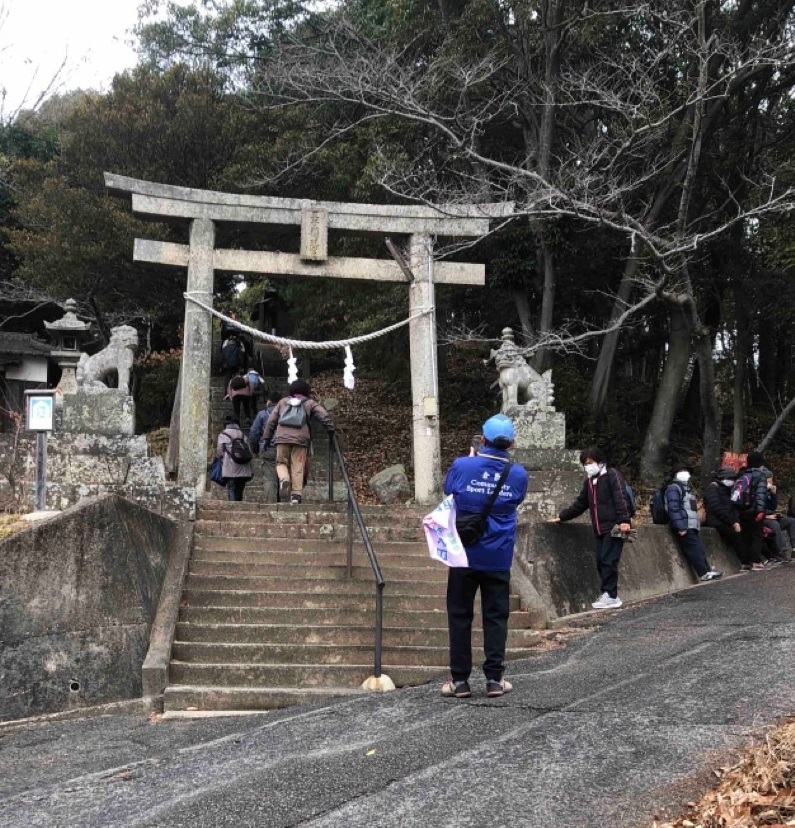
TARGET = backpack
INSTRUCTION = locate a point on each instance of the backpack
(239, 451)
(293, 414)
(742, 491)
(659, 508)
(630, 496)
(230, 354)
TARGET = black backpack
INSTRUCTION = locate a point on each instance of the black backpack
(239, 451)
(659, 508)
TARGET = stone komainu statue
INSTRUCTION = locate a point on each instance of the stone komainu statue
(117, 357)
(524, 390)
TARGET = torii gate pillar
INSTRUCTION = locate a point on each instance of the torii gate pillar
(194, 409)
(424, 376)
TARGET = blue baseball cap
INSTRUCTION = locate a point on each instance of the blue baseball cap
(498, 426)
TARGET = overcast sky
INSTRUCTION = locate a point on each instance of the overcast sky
(36, 35)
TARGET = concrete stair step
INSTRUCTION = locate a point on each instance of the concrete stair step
(312, 586)
(330, 531)
(309, 570)
(321, 616)
(241, 507)
(253, 654)
(186, 697)
(332, 555)
(253, 633)
(298, 675)
(304, 545)
(237, 598)
(322, 513)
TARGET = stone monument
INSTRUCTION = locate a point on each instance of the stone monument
(528, 398)
(95, 450)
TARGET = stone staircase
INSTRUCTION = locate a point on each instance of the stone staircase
(269, 618)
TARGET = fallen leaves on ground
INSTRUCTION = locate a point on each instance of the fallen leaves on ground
(759, 790)
(9, 524)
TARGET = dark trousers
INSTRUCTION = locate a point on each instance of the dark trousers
(239, 400)
(608, 555)
(693, 550)
(753, 537)
(735, 540)
(235, 486)
(462, 584)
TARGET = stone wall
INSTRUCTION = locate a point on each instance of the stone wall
(556, 565)
(78, 595)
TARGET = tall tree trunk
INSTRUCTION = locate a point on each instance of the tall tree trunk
(710, 459)
(741, 348)
(542, 358)
(654, 454)
(600, 385)
(525, 316)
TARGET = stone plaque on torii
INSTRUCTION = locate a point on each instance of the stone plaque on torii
(204, 208)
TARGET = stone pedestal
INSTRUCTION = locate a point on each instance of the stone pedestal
(543, 430)
(111, 413)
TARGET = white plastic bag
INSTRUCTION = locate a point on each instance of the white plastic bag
(444, 545)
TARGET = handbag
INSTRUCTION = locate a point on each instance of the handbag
(471, 527)
(215, 472)
(444, 545)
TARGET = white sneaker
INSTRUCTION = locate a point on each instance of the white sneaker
(711, 575)
(604, 601)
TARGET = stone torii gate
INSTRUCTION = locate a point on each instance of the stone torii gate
(204, 208)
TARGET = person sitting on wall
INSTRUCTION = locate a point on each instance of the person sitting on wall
(682, 507)
(723, 516)
(779, 530)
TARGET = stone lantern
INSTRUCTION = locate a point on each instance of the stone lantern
(69, 334)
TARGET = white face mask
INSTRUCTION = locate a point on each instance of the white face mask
(592, 469)
(682, 477)
(727, 483)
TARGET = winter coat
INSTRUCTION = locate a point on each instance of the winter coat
(604, 498)
(228, 466)
(682, 506)
(295, 436)
(718, 503)
(255, 439)
(758, 489)
(471, 481)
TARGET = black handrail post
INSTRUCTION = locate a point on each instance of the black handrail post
(350, 537)
(379, 627)
(331, 439)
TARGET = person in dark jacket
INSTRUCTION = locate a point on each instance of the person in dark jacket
(780, 528)
(292, 443)
(724, 516)
(236, 474)
(604, 497)
(682, 505)
(471, 480)
(265, 448)
(751, 518)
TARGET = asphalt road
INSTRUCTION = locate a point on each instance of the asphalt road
(625, 722)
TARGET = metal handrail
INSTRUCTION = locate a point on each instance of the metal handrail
(355, 512)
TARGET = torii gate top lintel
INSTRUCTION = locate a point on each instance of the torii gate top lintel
(170, 201)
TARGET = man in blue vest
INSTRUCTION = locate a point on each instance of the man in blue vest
(471, 480)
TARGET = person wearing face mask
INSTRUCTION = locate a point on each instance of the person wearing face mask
(752, 515)
(780, 527)
(604, 497)
(685, 525)
(724, 516)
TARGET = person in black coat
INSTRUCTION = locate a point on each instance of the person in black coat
(751, 517)
(604, 497)
(724, 516)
